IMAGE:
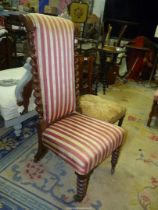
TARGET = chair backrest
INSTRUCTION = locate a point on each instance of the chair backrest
(54, 51)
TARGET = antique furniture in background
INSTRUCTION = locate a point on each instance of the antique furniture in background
(91, 36)
(6, 46)
(6, 50)
(16, 104)
(154, 108)
(109, 64)
(78, 12)
(18, 34)
(140, 58)
(154, 72)
(87, 76)
(109, 51)
(15, 44)
(93, 105)
(83, 142)
(87, 45)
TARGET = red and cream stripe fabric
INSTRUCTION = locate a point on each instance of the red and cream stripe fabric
(55, 56)
(156, 96)
(82, 141)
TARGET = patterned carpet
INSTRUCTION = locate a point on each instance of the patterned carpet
(50, 184)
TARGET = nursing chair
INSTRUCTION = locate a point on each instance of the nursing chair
(154, 108)
(83, 142)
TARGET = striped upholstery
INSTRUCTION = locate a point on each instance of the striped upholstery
(156, 95)
(82, 141)
(55, 57)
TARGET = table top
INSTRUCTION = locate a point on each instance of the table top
(111, 49)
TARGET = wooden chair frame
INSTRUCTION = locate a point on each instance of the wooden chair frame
(82, 180)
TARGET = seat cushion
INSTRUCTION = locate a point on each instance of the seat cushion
(82, 141)
(156, 95)
(101, 108)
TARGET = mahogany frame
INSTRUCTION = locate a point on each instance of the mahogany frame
(82, 180)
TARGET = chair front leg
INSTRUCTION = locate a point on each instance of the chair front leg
(114, 159)
(82, 185)
(42, 150)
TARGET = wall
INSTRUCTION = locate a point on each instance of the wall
(139, 11)
(98, 7)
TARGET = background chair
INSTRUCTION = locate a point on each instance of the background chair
(79, 12)
(17, 102)
(91, 36)
(87, 28)
(154, 108)
(83, 142)
(87, 31)
(94, 105)
(141, 54)
(87, 76)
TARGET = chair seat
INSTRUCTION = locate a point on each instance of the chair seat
(156, 95)
(81, 141)
(101, 108)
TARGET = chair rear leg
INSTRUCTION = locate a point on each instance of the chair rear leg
(114, 159)
(121, 121)
(82, 185)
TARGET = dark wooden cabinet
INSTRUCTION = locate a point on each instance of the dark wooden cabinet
(6, 51)
(12, 52)
(112, 74)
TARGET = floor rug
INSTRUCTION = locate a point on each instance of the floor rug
(51, 184)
